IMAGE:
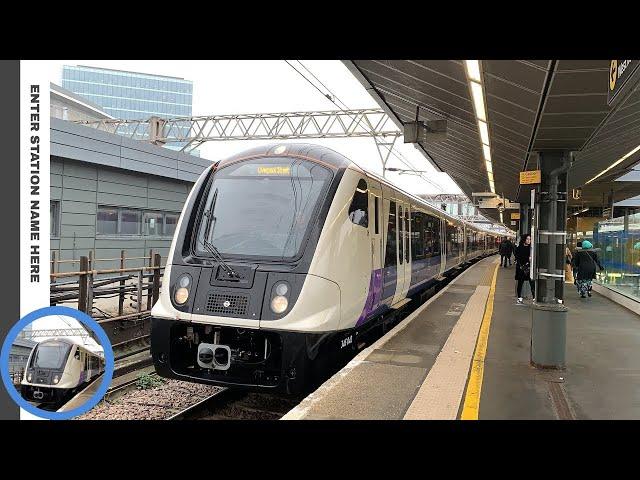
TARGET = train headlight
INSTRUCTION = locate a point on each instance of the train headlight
(282, 289)
(279, 304)
(29, 377)
(184, 281)
(56, 379)
(181, 294)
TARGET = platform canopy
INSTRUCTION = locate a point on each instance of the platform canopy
(531, 105)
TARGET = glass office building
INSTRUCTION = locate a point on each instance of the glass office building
(130, 95)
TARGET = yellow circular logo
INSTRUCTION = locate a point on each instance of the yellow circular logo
(613, 74)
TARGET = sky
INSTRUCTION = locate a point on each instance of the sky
(272, 86)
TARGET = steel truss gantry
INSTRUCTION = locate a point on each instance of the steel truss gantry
(55, 332)
(194, 131)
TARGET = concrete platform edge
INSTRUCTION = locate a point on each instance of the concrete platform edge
(301, 409)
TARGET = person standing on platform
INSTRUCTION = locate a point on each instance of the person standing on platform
(506, 249)
(523, 266)
(585, 263)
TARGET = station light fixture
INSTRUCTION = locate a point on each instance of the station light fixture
(617, 162)
(487, 152)
(473, 70)
(484, 132)
(478, 101)
(480, 107)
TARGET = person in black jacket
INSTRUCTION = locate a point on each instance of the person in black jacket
(506, 249)
(585, 262)
(523, 266)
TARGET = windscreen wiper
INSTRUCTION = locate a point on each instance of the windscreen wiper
(215, 253)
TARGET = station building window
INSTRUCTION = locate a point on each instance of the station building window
(359, 208)
(128, 222)
(153, 222)
(54, 218)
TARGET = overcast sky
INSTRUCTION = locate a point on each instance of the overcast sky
(270, 86)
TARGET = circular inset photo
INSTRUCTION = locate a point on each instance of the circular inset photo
(57, 363)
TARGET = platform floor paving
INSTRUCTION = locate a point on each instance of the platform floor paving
(420, 369)
(602, 377)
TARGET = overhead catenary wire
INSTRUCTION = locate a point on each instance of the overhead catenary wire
(332, 97)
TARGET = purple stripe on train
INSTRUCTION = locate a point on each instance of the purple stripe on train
(373, 297)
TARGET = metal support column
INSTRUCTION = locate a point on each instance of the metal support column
(549, 314)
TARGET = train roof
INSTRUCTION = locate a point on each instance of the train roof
(337, 160)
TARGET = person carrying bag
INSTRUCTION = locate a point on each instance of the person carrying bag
(523, 267)
(585, 264)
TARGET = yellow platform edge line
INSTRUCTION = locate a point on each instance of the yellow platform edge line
(471, 407)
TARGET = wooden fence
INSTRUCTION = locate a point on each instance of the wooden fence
(88, 283)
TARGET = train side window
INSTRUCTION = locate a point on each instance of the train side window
(376, 213)
(359, 208)
(417, 235)
(390, 250)
(77, 354)
(432, 236)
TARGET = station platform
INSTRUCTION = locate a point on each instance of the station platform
(464, 354)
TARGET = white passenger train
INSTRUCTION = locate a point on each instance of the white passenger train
(283, 255)
(56, 368)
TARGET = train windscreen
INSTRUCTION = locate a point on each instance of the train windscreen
(51, 355)
(262, 207)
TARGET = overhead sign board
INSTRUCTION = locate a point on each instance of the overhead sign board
(515, 216)
(621, 73)
(530, 177)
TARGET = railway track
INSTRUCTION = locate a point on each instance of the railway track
(232, 404)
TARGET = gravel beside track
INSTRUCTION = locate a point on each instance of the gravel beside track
(155, 403)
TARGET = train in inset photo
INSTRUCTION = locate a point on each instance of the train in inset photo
(53, 359)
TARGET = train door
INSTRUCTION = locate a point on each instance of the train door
(391, 249)
(375, 235)
(444, 245)
(375, 226)
(404, 254)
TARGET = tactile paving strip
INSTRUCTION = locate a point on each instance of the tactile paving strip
(440, 395)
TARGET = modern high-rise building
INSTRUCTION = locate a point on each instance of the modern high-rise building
(131, 95)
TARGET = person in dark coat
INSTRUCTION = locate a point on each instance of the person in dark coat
(585, 262)
(506, 249)
(523, 266)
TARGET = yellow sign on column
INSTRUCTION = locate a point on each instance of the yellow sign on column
(530, 177)
(515, 216)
